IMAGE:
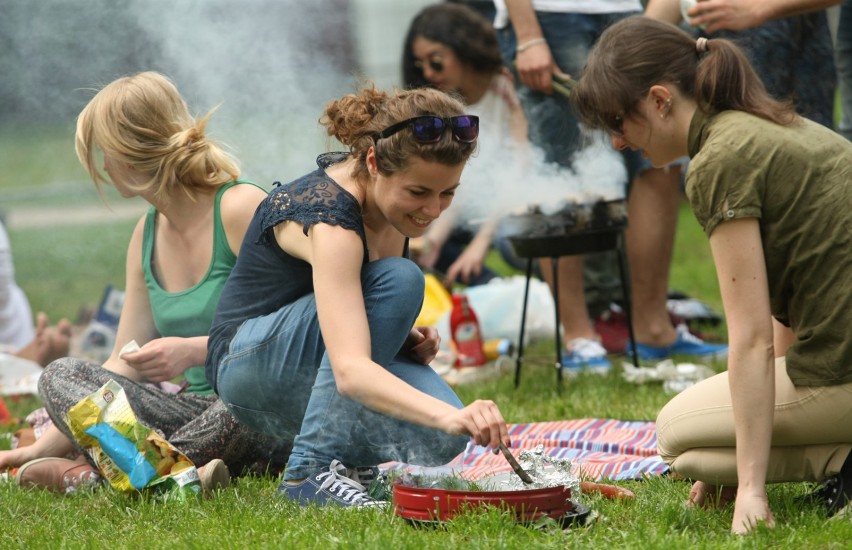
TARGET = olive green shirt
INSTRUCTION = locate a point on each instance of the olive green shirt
(797, 181)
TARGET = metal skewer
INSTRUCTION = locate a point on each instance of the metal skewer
(525, 477)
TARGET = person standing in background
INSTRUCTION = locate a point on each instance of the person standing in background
(787, 43)
(554, 37)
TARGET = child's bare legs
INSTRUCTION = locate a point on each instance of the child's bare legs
(50, 342)
(51, 443)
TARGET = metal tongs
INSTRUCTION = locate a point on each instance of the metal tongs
(525, 477)
(563, 84)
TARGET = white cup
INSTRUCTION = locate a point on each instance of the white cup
(685, 6)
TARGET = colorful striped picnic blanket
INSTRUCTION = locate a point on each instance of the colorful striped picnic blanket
(601, 448)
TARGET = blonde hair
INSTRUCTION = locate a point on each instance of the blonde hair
(354, 120)
(142, 121)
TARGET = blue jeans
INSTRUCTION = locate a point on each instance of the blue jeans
(843, 55)
(277, 379)
(551, 121)
(555, 129)
(794, 58)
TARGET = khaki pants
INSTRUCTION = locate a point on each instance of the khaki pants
(811, 437)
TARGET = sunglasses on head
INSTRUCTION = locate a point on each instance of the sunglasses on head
(430, 128)
(437, 65)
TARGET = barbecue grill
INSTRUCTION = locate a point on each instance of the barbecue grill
(573, 229)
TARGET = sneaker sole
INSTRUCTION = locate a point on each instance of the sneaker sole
(23, 468)
(215, 477)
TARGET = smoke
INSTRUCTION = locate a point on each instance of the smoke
(506, 178)
(270, 66)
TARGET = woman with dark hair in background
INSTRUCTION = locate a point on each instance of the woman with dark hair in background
(451, 47)
(313, 340)
(771, 190)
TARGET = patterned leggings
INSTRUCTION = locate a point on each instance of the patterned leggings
(197, 425)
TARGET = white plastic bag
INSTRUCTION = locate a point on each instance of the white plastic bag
(498, 306)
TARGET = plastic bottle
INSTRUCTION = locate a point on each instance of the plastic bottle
(495, 348)
(464, 327)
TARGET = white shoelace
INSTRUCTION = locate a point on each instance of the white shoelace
(586, 348)
(86, 479)
(336, 482)
(685, 336)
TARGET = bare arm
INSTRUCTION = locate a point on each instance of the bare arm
(716, 15)
(534, 63)
(740, 265)
(237, 210)
(136, 321)
(51, 443)
(664, 10)
(336, 256)
(469, 263)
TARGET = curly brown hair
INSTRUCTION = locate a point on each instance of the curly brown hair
(355, 119)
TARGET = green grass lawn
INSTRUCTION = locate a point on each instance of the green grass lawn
(62, 270)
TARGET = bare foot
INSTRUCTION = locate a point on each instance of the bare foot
(50, 342)
(705, 495)
(15, 457)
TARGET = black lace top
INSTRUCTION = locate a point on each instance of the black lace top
(312, 199)
(265, 278)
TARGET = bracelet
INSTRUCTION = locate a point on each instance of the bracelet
(529, 44)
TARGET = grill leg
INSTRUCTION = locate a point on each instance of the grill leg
(628, 299)
(554, 262)
(520, 357)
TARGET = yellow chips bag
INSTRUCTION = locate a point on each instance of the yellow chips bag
(130, 455)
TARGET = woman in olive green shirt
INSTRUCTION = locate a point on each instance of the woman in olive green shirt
(772, 192)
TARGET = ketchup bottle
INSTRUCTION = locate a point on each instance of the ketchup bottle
(464, 327)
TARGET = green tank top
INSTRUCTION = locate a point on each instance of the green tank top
(189, 312)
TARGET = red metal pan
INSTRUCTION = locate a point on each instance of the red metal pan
(438, 505)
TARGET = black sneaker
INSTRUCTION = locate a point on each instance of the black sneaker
(328, 486)
(835, 492)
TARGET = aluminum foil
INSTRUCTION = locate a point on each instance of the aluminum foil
(545, 471)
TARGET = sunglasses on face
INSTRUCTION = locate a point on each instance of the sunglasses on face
(615, 124)
(430, 128)
(434, 63)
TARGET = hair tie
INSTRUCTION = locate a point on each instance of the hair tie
(701, 45)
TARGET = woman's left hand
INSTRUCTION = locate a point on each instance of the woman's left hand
(162, 359)
(423, 344)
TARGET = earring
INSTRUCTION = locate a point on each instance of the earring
(666, 108)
